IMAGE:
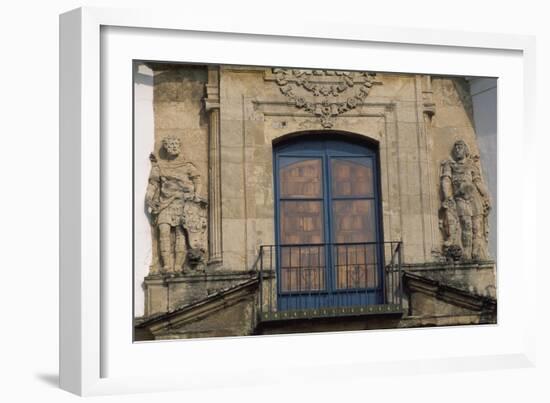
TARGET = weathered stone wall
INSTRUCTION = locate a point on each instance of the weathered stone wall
(415, 119)
(477, 278)
(179, 111)
(167, 294)
(254, 114)
(429, 303)
(178, 95)
(235, 320)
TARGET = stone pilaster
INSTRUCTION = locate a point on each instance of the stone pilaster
(212, 106)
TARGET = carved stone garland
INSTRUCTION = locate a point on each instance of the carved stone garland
(334, 90)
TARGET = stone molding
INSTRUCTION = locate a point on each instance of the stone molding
(216, 275)
(474, 277)
(287, 108)
(178, 317)
(164, 293)
(449, 294)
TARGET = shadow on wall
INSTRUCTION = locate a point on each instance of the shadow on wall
(484, 104)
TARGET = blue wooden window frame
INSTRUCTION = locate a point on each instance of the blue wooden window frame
(327, 148)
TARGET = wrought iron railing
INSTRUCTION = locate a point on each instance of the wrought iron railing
(310, 280)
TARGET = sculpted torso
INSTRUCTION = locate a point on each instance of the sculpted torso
(465, 207)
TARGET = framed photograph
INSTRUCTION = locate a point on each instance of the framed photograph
(235, 202)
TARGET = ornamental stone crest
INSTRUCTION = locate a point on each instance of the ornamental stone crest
(465, 207)
(324, 93)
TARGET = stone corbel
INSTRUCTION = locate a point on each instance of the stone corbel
(427, 97)
(212, 107)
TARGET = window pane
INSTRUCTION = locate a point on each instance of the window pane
(302, 268)
(300, 178)
(353, 221)
(301, 222)
(352, 177)
(355, 266)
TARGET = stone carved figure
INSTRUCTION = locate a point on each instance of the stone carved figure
(465, 206)
(177, 210)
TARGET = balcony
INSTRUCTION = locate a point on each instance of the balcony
(306, 281)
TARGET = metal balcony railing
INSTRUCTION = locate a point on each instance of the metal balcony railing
(321, 280)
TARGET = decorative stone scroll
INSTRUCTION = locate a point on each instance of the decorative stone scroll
(178, 212)
(465, 207)
(324, 93)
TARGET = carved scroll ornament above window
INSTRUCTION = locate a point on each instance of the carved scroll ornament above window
(324, 93)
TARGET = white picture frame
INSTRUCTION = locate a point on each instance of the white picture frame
(97, 355)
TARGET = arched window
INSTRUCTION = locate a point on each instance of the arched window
(328, 226)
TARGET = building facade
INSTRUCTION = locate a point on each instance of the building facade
(281, 200)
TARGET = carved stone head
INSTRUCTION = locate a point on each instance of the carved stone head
(460, 150)
(172, 146)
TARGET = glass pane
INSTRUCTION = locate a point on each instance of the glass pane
(300, 178)
(301, 222)
(352, 177)
(353, 221)
(302, 268)
(355, 266)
